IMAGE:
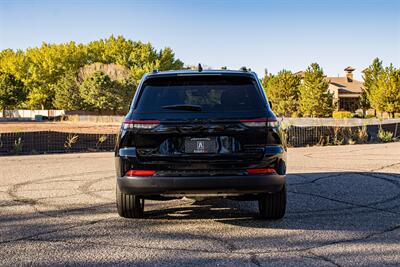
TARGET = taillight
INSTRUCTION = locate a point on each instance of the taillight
(140, 173)
(269, 122)
(140, 124)
(261, 171)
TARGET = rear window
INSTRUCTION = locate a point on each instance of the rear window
(209, 93)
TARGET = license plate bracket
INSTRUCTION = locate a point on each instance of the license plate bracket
(200, 145)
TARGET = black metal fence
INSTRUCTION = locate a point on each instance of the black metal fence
(300, 136)
(54, 142)
(23, 143)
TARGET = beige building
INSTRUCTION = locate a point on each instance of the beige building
(346, 90)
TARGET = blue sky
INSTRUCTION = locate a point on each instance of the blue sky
(257, 34)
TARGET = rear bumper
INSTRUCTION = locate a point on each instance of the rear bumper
(245, 184)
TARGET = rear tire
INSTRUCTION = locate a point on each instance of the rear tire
(129, 206)
(272, 205)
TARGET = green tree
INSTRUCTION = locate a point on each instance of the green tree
(315, 100)
(14, 63)
(168, 61)
(42, 68)
(265, 80)
(370, 76)
(125, 90)
(100, 93)
(385, 91)
(12, 91)
(111, 50)
(364, 102)
(46, 66)
(67, 95)
(39, 97)
(282, 91)
(137, 56)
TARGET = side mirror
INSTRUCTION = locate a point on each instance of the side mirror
(270, 104)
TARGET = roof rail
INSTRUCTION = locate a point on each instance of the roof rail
(199, 68)
(155, 71)
(243, 69)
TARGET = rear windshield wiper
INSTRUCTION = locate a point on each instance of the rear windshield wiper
(183, 107)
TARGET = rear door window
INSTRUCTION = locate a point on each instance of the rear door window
(210, 93)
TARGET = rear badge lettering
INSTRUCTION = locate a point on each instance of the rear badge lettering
(200, 146)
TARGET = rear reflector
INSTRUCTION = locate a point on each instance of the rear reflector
(263, 122)
(140, 124)
(260, 171)
(140, 173)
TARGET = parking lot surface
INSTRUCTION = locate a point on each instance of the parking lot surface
(343, 210)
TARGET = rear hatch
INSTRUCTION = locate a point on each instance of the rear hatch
(199, 122)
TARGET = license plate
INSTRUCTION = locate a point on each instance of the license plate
(200, 145)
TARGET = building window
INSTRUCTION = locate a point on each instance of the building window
(348, 104)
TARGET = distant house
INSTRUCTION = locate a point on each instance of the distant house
(346, 90)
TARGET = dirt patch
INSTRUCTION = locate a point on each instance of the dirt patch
(70, 127)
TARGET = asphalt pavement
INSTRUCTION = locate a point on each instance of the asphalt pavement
(343, 210)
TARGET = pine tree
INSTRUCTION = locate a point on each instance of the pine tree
(283, 92)
(315, 100)
(385, 91)
(370, 76)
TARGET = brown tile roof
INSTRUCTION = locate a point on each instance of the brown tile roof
(344, 86)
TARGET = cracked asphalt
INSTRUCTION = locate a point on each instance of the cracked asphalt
(343, 210)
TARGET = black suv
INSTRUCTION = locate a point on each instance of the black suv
(201, 134)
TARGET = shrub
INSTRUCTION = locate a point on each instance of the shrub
(296, 115)
(369, 116)
(349, 135)
(101, 140)
(362, 137)
(358, 114)
(342, 114)
(18, 145)
(71, 139)
(385, 136)
(338, 138)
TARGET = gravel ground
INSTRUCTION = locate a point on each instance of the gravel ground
(343, 210)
